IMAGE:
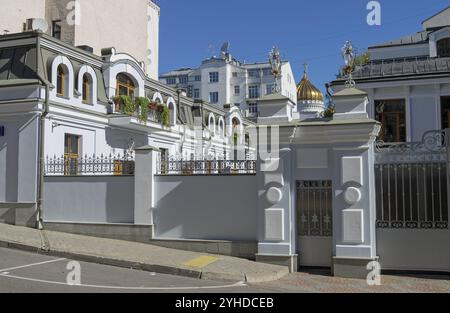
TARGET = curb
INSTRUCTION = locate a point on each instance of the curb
(161, 269)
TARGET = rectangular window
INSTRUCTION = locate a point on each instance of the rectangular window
(190, 91)
(253, 92)
(171, 81)
(213, 97)
(267, 72)
(235, 74)
(237, 90)
(183, 79)
(196, 93)
(253, 73)
(253, 108)
(391, 115)
(270, 89)
(56, 29)
(214, 77)
(445, 112)
(72, 147)
(198, 78)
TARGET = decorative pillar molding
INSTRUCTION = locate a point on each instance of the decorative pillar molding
(354, 209)
(276, 212)
(144, 195)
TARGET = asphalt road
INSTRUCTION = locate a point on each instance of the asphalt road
(29, 272)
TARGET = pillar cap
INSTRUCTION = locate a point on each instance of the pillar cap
(148, 147)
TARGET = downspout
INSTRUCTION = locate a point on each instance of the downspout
(44, 113)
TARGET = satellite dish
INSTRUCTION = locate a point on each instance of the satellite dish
(225, 47)
(39, 24)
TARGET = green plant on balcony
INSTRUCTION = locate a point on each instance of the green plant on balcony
(124, 105)
(165, 116)
(143, 104)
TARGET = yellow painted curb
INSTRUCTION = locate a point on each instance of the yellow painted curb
(201, 261)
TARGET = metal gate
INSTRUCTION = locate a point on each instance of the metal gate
(315, 222)
(412, 183)
(412, 202)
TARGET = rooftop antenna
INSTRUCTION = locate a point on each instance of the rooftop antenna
(225, 51)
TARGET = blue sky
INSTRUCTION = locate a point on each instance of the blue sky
(305, 31)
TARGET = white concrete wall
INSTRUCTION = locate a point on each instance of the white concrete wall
(414, 249)
(206, 207)
(18, 159)
(102, 199)
(14, 13)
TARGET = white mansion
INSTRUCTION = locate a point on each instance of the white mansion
(408, 81)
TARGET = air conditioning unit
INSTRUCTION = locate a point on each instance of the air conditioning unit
(35, 24)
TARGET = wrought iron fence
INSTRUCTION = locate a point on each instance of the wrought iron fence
(93, 165)
(314, 207)
(412, 183)
(174, 166)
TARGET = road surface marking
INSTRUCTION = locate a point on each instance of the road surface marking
(239, 284)
(30, 265)
(201, 261)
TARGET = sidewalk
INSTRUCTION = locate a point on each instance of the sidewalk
(139, 256)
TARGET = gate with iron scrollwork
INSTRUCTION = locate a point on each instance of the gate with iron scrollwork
(315, 222)
(412, 184)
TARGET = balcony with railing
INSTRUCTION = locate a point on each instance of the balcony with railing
(399, 67)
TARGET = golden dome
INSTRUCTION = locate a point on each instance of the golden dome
(306, 91)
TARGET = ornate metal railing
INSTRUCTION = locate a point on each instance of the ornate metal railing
(174, 166)
(432, 148)
(93, 165)
(411, 182)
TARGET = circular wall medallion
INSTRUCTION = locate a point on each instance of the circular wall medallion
(352, 195)
(274, 195)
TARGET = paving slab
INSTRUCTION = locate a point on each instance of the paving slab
(139, 255)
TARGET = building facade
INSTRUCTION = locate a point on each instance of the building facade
(408, 81)
(89, 25)
(227, 81)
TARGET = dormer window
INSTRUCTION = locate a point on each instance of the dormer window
(87, 89)
(443, 48)
(61, 81)
(125, 86)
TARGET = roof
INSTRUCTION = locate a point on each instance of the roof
(438, 13)
(417, 38)
(349, 92)
(181, 71)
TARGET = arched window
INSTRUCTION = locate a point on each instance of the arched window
(443, 48)
(61, 81)
(125, 86)
(87, 89)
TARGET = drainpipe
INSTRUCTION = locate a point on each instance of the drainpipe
(44, 113)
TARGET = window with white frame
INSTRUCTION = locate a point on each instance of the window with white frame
(196, 93)
(198, 78)
(235, 74)
(253, 92)
(214, 77)
(214, 97)
(237, 90)
(270, 89)
(183, 79)
(253, 108)
(267, 72)
(171, 80)
(254, 73)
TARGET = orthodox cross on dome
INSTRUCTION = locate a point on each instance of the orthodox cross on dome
(305, 69)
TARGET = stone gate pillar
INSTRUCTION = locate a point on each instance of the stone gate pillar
(354, 209)
(276, 214)
(144, 195)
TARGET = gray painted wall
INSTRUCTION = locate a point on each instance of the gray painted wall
(92, 199)
(414, 249)
(206, 207)
(18, 159)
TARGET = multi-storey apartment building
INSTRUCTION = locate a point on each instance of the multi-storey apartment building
(227, 81)
(87, 24)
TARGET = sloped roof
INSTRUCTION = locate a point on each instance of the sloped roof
(417, 38)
